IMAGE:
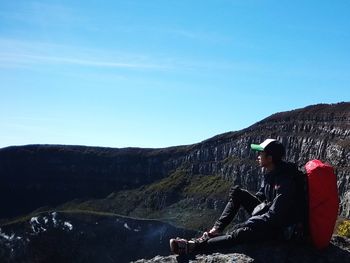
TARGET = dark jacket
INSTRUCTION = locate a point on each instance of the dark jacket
(279, 191)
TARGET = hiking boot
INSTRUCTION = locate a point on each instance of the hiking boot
(181, 246)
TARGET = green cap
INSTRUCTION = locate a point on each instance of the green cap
(261, 147)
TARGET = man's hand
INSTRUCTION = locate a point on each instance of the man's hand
(214, 232)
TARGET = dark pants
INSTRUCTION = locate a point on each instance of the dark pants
(240, 233)
(238, 198)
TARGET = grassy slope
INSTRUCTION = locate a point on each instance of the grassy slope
(180, 199)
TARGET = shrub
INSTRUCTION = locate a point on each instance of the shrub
(344, 228)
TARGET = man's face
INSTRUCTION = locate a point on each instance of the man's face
(264, 160)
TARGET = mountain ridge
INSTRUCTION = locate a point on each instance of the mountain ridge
(185, 186)
(55, 174)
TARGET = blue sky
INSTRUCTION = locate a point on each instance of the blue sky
(164, 73)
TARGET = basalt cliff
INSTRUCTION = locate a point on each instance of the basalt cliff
(184, 185)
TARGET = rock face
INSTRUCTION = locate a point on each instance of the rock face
(321, 132)
(46, 175)
(36, 176)
(338, 251)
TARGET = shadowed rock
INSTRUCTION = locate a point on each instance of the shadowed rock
(272, 252)
(84, 237)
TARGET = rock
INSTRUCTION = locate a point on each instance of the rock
(215, 257)
(81, 237)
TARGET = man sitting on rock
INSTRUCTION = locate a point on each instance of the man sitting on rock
(276, 209)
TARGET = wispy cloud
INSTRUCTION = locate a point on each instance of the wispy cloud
(37, 59)
(39, 56)
(30, 54)
(25, 53)
(36, 55)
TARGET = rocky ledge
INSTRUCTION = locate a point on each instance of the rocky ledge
(338, 251)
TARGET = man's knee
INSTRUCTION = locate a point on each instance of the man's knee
(235, 192)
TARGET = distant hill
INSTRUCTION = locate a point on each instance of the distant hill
(159, 183)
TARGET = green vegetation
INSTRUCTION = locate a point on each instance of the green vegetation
(174, 182)
(344, 228)
(185, 200)
(180, 199)
(207, 186)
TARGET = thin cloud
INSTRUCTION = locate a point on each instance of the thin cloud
(36, 55)
(25, 53)
(37, 59)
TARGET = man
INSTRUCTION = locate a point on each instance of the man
(275, 209)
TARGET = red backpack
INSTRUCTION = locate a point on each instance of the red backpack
(323, 202)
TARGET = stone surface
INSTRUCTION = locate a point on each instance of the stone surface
(81, 237)
(215, 257)
(338, 251)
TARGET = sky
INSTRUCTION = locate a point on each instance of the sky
(159, 73)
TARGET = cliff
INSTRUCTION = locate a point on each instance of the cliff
(48, 175)
(186, 186)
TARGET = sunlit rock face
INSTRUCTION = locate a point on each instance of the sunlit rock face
(48, 175)
(82, 237)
